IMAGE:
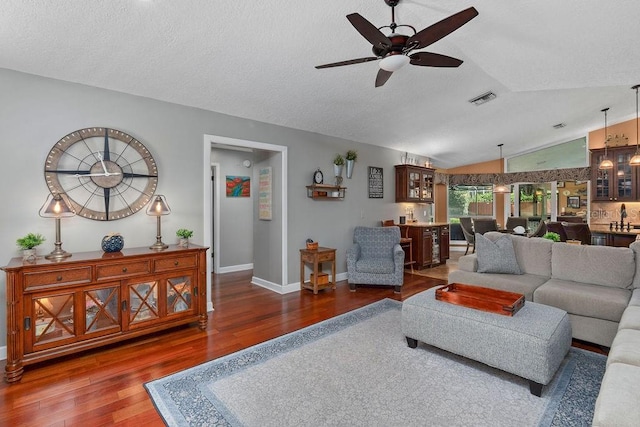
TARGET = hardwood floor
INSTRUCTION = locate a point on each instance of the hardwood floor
(105, 386)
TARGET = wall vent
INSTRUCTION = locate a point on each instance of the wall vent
(485, 97)
(559, 125)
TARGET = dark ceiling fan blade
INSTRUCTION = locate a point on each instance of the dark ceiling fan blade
(382, 77)
(442, 28)
(428, 59)
(349, 62)
(369, 31)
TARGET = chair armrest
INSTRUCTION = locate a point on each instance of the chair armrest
(353, 253)
(398, 256)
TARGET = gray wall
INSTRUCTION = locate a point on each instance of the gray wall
(36, 112)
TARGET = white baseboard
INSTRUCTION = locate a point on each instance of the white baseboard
(289, 288)
(234, 268)
(3, 353)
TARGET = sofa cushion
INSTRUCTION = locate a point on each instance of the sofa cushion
(635, 247)
(630, 318)
(496, 257)
(523, 284)
(635, 298)
(533, 254)
(597, 265)
(601, 302)
(617, 403)
(625, 348)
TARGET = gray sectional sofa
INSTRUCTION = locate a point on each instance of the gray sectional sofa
(599, 287)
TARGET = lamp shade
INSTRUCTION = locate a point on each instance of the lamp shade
(605, 164)
(394, 62)
(501, 189)
(56, 206)
(158, 206)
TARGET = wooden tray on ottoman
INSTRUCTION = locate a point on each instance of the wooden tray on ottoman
(485, 299)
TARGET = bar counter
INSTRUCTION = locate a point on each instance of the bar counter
(601, 234)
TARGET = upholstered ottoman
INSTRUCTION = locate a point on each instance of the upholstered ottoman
(530, 344)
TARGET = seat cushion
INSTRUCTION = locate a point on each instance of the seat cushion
(625, 348)
(617, 403)
(630, 318)
(375, 265)
(601, 302)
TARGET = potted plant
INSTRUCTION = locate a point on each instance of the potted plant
(184, 236)
(551, 236)
(351, 157)
(338, 163)
(28, 245)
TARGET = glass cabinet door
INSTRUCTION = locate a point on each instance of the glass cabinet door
(427, 186)
(101, 309)
(623, 174)
(53, 316)
(414, 185)
(179, 294)
(143, 301)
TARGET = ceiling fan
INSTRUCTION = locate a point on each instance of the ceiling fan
(394, 50)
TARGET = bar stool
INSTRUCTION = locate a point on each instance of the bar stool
(406, 242)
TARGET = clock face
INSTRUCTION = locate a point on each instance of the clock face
(106, 173)
(318, 177)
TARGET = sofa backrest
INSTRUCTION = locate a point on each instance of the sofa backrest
(533, 254)
(376, 242)
(635, 247)
(597, 265)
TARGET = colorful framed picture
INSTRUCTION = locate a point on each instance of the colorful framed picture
(238, 186)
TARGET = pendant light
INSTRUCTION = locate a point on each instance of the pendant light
(635, 160)
(500, 187)
(605, 163)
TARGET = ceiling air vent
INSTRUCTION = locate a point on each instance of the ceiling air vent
(485, 97)
(559, 125)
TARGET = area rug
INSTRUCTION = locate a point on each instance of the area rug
(357, 370)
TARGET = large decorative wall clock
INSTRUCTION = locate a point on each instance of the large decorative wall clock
(106, 173)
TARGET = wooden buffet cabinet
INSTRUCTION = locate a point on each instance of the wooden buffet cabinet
(430, 242)
(97, 298)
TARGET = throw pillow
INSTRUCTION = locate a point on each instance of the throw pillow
(496, 257)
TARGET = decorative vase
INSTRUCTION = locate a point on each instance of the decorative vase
(184, 243)
(337, 170)
(112, 243)
(350, 168)
(29, 255)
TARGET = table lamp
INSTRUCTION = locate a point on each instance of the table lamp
(56, 206)
(157, 208)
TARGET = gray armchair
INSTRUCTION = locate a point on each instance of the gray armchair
(376, 258)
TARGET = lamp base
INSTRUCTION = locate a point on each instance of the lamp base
(158, 246)
(58, 254)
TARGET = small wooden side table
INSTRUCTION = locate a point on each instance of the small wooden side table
(317, 257)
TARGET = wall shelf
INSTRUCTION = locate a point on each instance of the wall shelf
(325, 192)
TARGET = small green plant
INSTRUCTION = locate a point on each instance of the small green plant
(338, 160)
(551, 236)
(352, 155)
(184, 233)
(30, 241)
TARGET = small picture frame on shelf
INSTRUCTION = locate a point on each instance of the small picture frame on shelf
(573, 202)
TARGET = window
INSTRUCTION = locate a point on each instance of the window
(468, 200)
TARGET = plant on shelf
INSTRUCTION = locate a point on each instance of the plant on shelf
(28, 244)
(30, 241)
(551, 236)
(184, 236)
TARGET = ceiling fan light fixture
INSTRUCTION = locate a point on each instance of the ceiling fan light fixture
(394, 62)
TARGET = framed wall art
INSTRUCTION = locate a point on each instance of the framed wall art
(376, 184)
(238, 186)
(264, 193)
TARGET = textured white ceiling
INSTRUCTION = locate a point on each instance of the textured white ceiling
(547, 61)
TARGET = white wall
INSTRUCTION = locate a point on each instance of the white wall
(36, 112)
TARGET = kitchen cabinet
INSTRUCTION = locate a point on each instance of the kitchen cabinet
(430, 242)
(414, 184)
(619, 184)
(95, 298)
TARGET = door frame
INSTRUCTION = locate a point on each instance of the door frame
(209, 140)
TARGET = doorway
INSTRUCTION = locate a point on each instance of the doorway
(211, 228)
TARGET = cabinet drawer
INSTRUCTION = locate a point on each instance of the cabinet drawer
(173, 263)
(327, 256)
(110, 271)
(51, 278)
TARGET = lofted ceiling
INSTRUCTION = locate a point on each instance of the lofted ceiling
(547, 61)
